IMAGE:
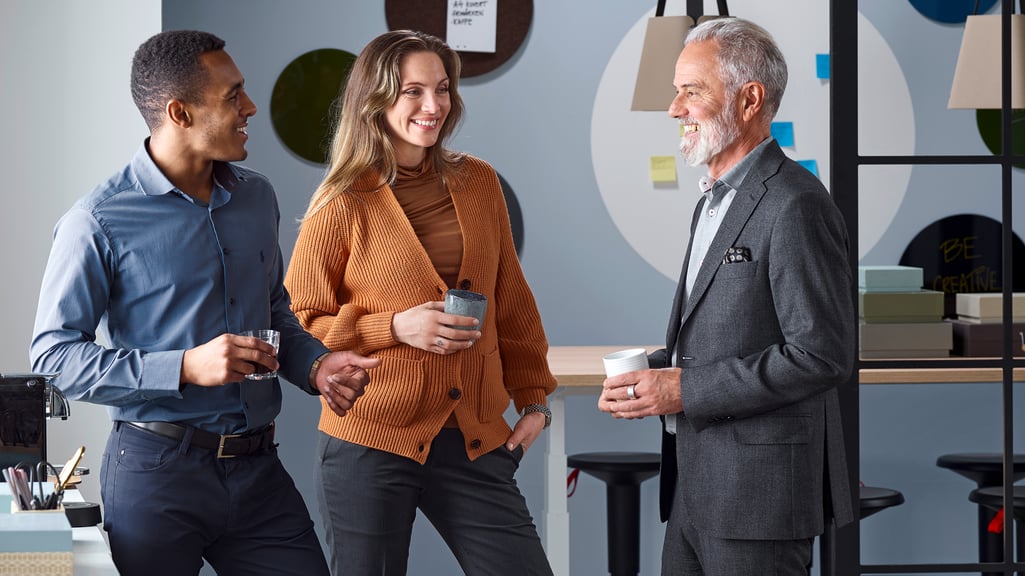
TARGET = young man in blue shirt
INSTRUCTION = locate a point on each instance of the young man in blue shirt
(173, 257)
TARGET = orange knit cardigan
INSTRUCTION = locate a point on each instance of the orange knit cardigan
(357, 262)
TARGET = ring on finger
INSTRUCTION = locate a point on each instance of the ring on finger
(631, 393)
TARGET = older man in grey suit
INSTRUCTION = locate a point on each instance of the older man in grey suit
(760, 335)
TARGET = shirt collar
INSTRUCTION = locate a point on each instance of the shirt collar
(154, 183)
(735, 175)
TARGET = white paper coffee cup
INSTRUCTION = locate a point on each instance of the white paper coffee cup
(625, 361)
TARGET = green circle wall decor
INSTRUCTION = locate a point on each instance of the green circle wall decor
(989, 129)
(301, 102)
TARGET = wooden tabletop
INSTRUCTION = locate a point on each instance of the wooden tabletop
(582, 366)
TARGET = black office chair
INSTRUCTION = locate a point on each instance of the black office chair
(992, 498)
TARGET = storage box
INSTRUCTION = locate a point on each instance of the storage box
(34, 543)
(905, 337)
(889, 278)
(988, 307)
(900, 307)
(974, 339)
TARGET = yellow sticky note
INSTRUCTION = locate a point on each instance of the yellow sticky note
(663, 169)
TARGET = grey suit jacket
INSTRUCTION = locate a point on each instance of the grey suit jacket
(759, 449)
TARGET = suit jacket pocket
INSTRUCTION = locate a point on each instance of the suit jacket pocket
(788, 429)
(738, 269)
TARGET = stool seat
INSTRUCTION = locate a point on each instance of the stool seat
(993, 497)
(874, 499)
(623, 473)
(985, 468)
(617, 467)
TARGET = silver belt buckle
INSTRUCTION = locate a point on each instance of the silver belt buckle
(220, 446)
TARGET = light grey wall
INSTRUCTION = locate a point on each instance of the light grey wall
(71, 122)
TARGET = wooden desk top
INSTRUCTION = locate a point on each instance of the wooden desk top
(582, 366)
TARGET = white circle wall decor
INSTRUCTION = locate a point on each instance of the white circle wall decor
(654, 218)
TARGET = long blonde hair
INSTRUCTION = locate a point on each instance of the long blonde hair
(361, 140)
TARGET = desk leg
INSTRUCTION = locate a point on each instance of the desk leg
(556, 526)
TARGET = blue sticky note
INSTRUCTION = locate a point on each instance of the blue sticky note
(811, 165)
(783, 132)
(822, 66)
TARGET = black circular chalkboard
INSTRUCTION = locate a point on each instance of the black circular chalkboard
(963, 254)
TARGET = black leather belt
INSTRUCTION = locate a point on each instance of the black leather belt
(226, 445)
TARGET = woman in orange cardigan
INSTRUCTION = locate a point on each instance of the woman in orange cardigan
(398, 220)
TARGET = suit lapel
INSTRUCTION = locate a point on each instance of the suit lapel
(748, 195)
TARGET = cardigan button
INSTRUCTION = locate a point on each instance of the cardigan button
(454, 393)
(475, 444)
(464, 284)
(420, 448)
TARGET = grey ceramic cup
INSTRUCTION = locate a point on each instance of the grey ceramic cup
(466, 303)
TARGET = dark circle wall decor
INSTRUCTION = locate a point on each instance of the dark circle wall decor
(301, 102)
(963, 254)
(951, 11)
(990, 130)
(515, 215)
(513, 22)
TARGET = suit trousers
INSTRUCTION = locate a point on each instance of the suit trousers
(169, 505)
(689, 552)
(368, 500)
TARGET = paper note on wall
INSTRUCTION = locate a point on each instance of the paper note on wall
(472, 25)
(663, 169)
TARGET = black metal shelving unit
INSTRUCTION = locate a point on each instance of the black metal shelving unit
(842, 557)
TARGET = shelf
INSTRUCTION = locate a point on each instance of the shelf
(934, 375)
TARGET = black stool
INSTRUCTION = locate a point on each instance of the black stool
(986, 469)
(992, 498)
(623, 473)
(873, 499)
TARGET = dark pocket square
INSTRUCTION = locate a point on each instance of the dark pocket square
(737, 254)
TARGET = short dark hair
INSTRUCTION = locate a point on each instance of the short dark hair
(167, 66)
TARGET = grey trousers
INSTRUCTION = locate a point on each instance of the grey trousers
(368, 501)
(688, 552)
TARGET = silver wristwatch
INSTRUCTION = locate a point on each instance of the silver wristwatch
(529, 408)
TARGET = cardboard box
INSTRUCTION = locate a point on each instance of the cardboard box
(989, 307)
(985, 340)
(905, 337)
(889, 278)
(900, 307)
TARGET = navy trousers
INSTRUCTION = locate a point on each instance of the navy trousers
(167, 506)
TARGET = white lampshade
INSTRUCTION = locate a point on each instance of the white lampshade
(977, 76)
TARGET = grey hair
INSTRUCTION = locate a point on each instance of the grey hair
(747, 53)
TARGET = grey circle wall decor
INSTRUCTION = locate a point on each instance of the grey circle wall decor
(301, 102)
(429, 16)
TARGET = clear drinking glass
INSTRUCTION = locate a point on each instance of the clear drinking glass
(272, 337)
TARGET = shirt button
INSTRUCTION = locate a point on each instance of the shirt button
(464, 284)
(231, 301)
(711, 212)
(454, 393)
(225, 251)
(475, 444)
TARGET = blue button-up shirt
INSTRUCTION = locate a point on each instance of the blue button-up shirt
(160, 272)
